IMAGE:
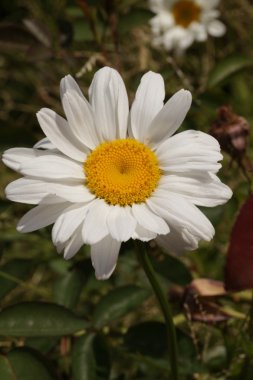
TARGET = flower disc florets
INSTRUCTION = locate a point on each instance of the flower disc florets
(185, 12)
(122, 172)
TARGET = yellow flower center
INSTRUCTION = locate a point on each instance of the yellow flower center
(122, 172)
(185, 12)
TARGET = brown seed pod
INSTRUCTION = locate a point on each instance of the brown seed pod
(231, 130)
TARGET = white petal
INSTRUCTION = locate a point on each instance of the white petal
(68, 83)
(143, 234)
(32, 191)
(40, 216)
(44, 144)
(109, 100)
(80, 117)
(148, 102)
(59, 133)
(216, 28)
(14, 157)
(104, 257)
(95, 226)
(53, 166)
(170, 117)
(180, 213)
(202, 190)
(173, 37)
(161, 22)
(186, 41)
(60, 247)
(177, 241)
(67, 223)
(74, 244)
(147, 219)
(199, 31)
(189, 150)
(71, 192)
(26, 190)
(208, 4)
(121, 223)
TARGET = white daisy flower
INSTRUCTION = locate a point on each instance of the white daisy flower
(178, 23)
(104, 175)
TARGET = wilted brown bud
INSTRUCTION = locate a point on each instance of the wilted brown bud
(231, 131)
(200, 301)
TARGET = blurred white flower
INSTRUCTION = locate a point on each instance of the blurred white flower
(106, 175)
(178, 23)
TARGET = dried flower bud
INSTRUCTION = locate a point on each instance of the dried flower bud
(201, 303)
(231, 131)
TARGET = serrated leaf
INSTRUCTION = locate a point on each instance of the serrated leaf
(17, 268)
(239, 265)
(227, 67)
(39, 319)
(118, 303)
(27, 364)
(90, 358)
(173, 270)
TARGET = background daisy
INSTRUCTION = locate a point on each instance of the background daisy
(178, 23)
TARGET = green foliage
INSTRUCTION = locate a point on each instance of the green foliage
(39, 319)
(117, 303)
(24, 364)
(90, 358)
(227, 67)
(173, 270)
(12, 272)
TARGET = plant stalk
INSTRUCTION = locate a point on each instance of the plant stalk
(145, 262)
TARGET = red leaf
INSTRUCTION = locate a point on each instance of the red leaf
(239, 266)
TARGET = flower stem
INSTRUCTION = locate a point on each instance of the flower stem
(164, 305)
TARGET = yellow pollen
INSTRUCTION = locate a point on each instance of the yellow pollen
(122, 172)
(185, 12)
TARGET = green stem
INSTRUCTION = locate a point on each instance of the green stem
(40, 292)
(164, 305)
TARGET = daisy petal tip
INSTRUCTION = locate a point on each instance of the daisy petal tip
(228, 193)
(20, 228)
(43, 112)
(103, 276)
(187, 94)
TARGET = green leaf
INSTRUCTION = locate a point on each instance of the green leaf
(227, 67)
(173, 270)
(42, 344)
(84, 364)
(18, 269)
(90, 358)
(68, 288)
(39, 319)
(118, 303)
(6, 372)
(27, 364)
